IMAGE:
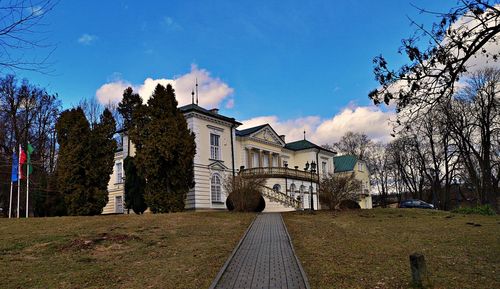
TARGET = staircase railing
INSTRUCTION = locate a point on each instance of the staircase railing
(280, 197)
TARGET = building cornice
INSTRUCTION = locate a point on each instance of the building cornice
(208, 118)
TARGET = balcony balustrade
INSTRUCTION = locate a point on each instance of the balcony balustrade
(279, 172)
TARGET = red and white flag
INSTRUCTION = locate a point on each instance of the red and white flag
(22, 161)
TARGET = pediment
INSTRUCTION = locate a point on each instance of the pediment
(268, 135)
(218, 166)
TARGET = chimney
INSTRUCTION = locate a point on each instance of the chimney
(214, 110)
(282, 137)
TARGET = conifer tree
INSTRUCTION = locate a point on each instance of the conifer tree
(130, 109)
(165, 151)
(73, 131)
(130, 103)
(101, 152)
(85, 161)
(134, 187)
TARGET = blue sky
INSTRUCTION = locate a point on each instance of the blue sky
(298, 63)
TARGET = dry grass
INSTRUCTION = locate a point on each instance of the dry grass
(370, 249)
(183, 250)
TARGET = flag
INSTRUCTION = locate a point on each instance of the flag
(30, 149)
(22, 161)
(15, 167)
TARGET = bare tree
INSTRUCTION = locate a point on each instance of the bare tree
(475, 124)
(380, 167)
(92, 109)
(353, 143)
(407, 162)
(435, 158)
(28, 114)
(339, 187)
(469, 30)
(244, 194)
(20, 32)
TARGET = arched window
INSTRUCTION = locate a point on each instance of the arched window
(277, 188)
(216, 188)
(292, 190)
(302, 189)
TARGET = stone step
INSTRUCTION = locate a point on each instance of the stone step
(272, 206)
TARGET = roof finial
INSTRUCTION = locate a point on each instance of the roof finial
(304, 135)
(192, 96)
(197, 91)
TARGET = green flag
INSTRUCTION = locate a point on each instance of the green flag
(30, 149)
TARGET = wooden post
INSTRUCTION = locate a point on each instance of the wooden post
(418, 269)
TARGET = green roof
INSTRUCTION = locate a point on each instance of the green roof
(303, 145)
(344, 163)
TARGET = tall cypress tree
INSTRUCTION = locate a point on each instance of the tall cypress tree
(130, 104)
(130, 109)
(165, 151)
(73, 131)
(85, 161)
(101, 152)
(134, 187)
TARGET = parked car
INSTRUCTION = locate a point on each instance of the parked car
(419, 204)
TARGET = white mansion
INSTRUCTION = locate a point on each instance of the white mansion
(222, 151)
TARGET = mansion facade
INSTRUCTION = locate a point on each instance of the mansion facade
(292, 170)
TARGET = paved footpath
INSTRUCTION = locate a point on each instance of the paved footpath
(264, 258)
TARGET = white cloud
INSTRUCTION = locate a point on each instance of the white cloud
(470, 23)
(211, 91)
(87, 39)
(111, 92)
(370, 120)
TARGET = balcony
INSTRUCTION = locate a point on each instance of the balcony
(279, 172)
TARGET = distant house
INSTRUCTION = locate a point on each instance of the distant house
(223, 150)
(348, 164)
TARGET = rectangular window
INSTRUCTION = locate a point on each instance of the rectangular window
(119, 173)
(360, 167)
(119, 205)
(118, 137)
(265, 160)
(323, 168)
(214, 147)
(255, 162)
(275, 160)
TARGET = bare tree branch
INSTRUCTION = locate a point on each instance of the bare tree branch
(20, 32)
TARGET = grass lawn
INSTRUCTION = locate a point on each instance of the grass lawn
(182, 250)
(371, 248)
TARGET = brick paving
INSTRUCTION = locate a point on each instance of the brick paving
(264, 259)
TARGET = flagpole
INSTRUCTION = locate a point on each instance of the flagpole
(19, 181)
(27, 185)
(10, 202)
(11, 184)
